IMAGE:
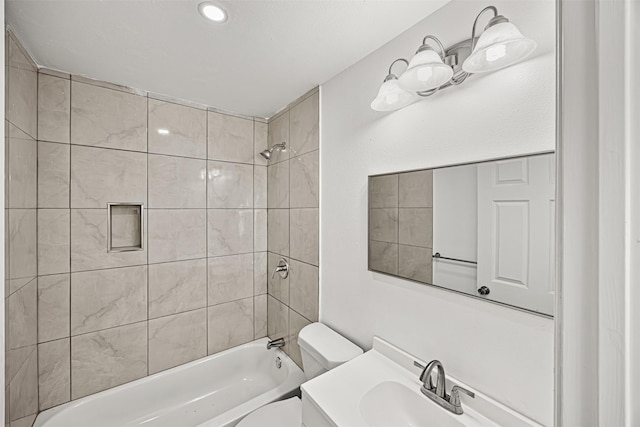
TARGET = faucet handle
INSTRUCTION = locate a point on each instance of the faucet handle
(454, 399)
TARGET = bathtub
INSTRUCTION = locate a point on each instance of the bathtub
(218, 390)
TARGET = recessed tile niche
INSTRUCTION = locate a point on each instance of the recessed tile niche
(125, 227)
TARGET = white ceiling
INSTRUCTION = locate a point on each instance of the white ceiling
(267, 54)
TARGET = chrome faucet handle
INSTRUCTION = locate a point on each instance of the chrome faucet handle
(454, 398)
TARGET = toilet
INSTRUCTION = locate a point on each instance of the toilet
(322, 349)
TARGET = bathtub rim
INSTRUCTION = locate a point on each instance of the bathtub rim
(287, 388)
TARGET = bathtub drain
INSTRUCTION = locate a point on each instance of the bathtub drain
(278, 363)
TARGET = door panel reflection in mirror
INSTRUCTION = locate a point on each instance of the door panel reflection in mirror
(491, 224)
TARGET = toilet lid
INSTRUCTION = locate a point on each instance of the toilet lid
(285, 413)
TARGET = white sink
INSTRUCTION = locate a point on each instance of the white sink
(381, 388)
(393, 404)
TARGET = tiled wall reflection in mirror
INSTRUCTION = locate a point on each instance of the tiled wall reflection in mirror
(483, 229)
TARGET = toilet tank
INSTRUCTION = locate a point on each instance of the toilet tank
(323, 349)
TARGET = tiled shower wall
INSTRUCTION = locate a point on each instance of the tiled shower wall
(199, 284)
(293, 223)
(21, 284)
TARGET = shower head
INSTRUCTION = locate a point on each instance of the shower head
(267, 153)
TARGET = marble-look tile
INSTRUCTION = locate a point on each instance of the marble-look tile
(54, 247)
(260, 143)
(106, 298)
(296, 323)
(416, 227)
(177, 130)
(22, 100)
(23, 173)
(230, 324)
(54, 108)
(415, 263)
(54, 373)
(276, 285)
(100, 176)
(54, 311)
(305, 125)
(15, 359)
(177, 339)
(279, 132)
(108, 118)
(416, 189)
(260, 316)
(230, 231)
(383, 224)
(176, 182)
(54, 162)
(304, 235)
(259, 187)
(24, 422)
(16, 284)
(22, 243)
(304, 289)
(230, 138)
(260, 230)
(106, 359)
(177, 234)
(383, 191)
(89, 243)
(23, 389)
(277, 318)
(260, 273)
(305, 176)
(278, 185)
(383, 257)
(230, 278)
(17, 57)
(176, 287)
(230, 185)
(278, 231)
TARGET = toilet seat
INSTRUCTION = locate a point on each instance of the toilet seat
(285, 413)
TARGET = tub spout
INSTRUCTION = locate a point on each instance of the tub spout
(278, 342)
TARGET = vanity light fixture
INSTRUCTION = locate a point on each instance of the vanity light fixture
(391, 96)
(213, 12)
(500, 45)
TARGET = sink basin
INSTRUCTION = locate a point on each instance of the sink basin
(393, 404)
(381, 388)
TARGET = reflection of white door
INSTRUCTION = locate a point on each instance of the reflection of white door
(516, 231)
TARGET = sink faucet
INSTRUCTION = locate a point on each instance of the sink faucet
(278, 342)
(438, 393)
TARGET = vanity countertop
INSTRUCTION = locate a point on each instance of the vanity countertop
(340, 395)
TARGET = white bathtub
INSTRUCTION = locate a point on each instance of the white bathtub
(218, 390)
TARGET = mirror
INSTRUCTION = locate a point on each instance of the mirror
(483, 229)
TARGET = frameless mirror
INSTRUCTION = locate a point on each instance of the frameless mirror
(483, 229)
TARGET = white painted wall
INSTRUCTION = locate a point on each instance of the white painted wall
(505, 353)
(455, 226)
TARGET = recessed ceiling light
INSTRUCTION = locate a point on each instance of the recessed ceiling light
(212, 12)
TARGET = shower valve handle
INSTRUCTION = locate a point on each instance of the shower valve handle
(282, 269)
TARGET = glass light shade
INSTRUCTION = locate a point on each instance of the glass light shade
(391, 97)
(426, 71)
(498, 47)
